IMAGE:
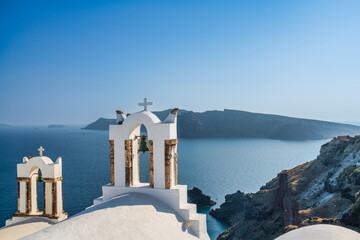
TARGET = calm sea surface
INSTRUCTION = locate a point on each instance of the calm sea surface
(217, 166)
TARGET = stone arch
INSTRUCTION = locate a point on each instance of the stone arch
(29, 165)
(134, 121)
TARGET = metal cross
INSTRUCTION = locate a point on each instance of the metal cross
(145, 103)
(41, 149)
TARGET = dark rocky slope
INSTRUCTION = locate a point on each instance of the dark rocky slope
(241, 124)
(101, 124)
(201, 200)
(325, 190)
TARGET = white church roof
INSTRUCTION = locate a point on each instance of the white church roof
(321, 232)
(24, 228)
(129, 216)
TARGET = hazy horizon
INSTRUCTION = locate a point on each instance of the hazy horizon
(114, 116)
(72, 62)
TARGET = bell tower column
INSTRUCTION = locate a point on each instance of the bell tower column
(176, 168)
(135, 162)
(151, 163)
(111, 156)
(47, 197)
(170, 145)
(33, 193)
(59, 197)
(22, 194)
(128, 163)
(54, 199)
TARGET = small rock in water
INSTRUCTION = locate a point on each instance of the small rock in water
(201, 200)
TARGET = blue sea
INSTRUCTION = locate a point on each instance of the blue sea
(217, 166)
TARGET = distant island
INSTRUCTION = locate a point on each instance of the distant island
(242, 124)
(4, 125)
(57, 126)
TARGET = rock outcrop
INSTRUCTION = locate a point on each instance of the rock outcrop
(201, 200)
(325, 190)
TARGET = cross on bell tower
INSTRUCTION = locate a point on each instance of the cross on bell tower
(145, 104)
(41, 149)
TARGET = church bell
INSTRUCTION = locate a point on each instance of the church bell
(143, 144)
(40, 178)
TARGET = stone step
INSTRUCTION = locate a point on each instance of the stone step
(183, 197)
(198, 226)
(187, 211)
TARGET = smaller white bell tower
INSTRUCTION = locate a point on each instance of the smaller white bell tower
(27, 177)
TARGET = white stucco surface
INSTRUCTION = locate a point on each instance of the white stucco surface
(176, 198)
(48, 168)
(321, 232)
(24, 227)
(130, 216)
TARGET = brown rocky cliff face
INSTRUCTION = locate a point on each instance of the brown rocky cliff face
(286, 202)
(325, 190)
(258, 216)
(282, 189)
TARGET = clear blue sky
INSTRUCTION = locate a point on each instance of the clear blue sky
(74, 61)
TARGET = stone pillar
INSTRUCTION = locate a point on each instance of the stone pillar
(128, 163)
(33, 193)
(151, 163)
(48, 197)
(53, 202)
(169, 146)
(22, 194)
(28, 196)
(112, 174)
(59, 198)
(44, 198)
(138, 161)
(135, 162)
(176, 168)
(18, 185)
(54, 199)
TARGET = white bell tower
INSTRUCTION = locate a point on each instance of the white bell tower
(163, 168)
(27, 177)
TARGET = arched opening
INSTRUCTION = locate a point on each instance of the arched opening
(138, 162)
(40, 191)
(36, 194)
(143, 157)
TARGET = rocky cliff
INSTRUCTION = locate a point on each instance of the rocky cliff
(325, 190)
